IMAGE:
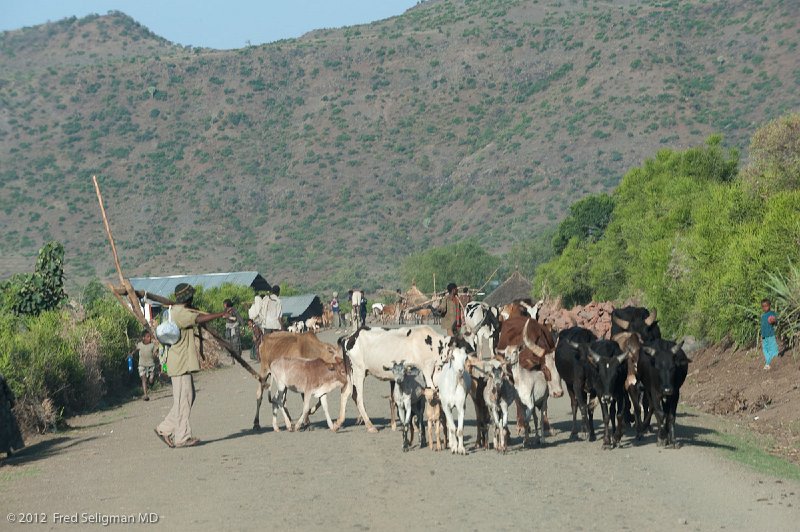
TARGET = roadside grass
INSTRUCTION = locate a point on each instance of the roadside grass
(744, 446)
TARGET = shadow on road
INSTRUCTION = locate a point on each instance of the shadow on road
(45, 449)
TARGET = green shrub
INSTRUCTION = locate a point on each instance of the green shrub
(688, 238)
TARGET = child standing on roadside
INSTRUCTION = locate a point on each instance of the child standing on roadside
(147, 362)
(768, 342)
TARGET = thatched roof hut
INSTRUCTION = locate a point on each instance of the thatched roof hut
(514, 288)
(414, 296)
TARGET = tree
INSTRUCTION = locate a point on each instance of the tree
(32, 294)
(587, 221)
(775, 157)
(528, 254)
(463, 263)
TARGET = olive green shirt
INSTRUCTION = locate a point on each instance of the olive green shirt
(147, 354)
(182, 356)
(450, 310)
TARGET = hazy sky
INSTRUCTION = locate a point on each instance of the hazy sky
(211, 23)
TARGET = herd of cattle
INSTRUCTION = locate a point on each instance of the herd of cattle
(507, 356)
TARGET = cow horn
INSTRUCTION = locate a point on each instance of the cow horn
(538, 351)
(593, 357)
(651, 319)
(622, 323)
(677, 347)
(649, 350)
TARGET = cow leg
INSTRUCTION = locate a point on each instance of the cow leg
(276, 405)
(520, 416)
(304, 414)
(358, 381)
(421, 421)
(672, 410)
(259, 395)
(658, 409)
(324, 401)
(460, 432)
(633, 395)
(503, 428)
(537, 440)
(346, 392)
(451, 429)
(287, 419)
(606, 430)
(620, 416)
(590, 416)
(547, 430)
(573, 401)
(392, 406)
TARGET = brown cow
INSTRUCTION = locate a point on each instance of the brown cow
(288, 345)
(312, 378)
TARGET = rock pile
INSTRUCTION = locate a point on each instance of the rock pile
(595, 316)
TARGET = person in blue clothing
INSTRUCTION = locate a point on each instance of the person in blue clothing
(769, 343)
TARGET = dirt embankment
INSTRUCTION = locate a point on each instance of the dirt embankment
(730, 382)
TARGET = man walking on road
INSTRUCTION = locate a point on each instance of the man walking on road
(181, 364)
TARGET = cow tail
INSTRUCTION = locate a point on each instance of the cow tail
(348, 365)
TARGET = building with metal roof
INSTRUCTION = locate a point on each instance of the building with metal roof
(165, 286)
(302, 307)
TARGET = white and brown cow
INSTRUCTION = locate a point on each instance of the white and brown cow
(371, 350)
(287, 345)
(313, 378)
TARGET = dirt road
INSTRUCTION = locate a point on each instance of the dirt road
(112, 464)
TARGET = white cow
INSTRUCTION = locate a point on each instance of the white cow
(371, 350)
(532, 391)
(454, 383)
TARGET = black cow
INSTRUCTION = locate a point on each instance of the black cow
(610, 370)
(663, 367)
(576, 370)
(637, 320)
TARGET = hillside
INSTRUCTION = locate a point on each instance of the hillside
(327, 159)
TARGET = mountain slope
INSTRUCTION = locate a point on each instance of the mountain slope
(325, 160)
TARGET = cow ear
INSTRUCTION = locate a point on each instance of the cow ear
(412, 370)
(677, 347)
(387, 368)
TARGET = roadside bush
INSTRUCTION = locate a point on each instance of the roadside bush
(58, 364)
(688, 237)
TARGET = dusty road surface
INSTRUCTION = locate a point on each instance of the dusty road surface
(112, 464)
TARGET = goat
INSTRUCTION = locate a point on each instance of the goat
(409, 396)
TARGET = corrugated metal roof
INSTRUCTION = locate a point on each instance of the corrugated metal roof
(294, 306)
(165, 286)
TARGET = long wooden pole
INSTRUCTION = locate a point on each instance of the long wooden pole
(489, 279)
(108, 231)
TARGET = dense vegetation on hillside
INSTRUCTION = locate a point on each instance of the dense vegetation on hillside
(695, 237)
(332, 157)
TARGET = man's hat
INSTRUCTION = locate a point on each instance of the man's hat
(183, 293)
